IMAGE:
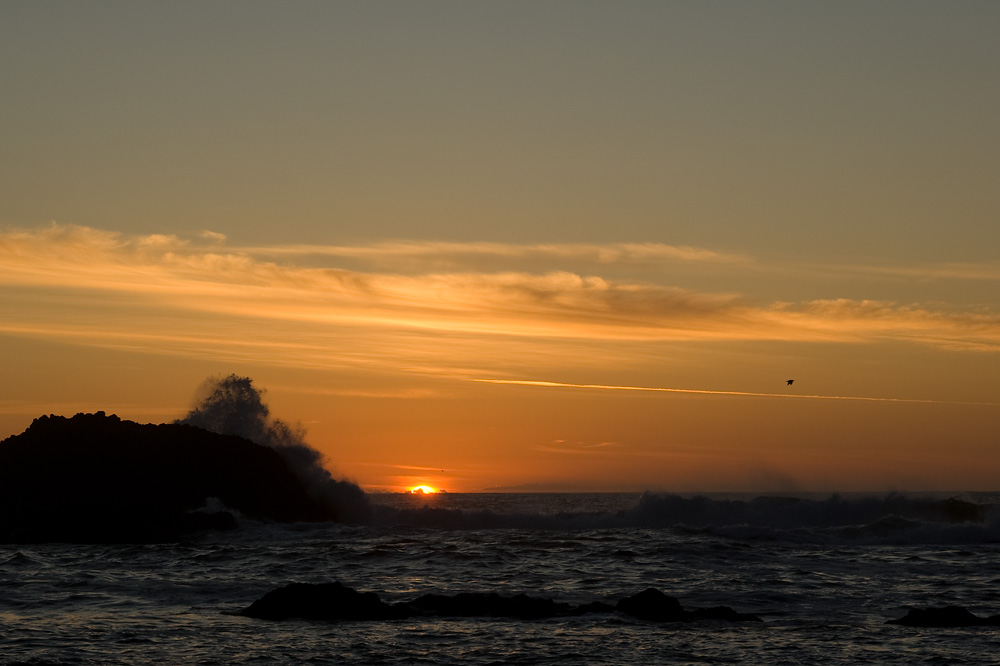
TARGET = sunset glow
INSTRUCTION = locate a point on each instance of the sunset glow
(422, 490)
(523, 248)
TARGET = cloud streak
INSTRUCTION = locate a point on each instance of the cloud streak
(168, 294)
(947, 271)
(581, 448)
(463, 253)
(658, 389)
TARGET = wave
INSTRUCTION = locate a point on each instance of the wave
(893, 519)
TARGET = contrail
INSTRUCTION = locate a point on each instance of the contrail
(606, 387)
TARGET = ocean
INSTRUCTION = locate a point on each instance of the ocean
(824, 573)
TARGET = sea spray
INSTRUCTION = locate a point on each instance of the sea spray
(234, 406)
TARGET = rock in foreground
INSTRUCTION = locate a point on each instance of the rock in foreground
(651, 604)
(94, 478)
(324, 601)
(333, 601)
(945, 616)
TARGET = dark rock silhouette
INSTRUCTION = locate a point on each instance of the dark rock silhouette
(955, 510)
(651, 604)
(592, 607)
(323, 601)
(333, 601)
(860, 518)
(95, 478)
(944, 616)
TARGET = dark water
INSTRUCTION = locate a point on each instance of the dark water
(823, 585)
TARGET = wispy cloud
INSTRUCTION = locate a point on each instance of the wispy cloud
(393, 393)
(659, 389)
(213, 236)
(462, 253)
(166, 293)
(581, 448)
(941, 271)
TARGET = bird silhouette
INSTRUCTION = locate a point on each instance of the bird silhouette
(790, 381)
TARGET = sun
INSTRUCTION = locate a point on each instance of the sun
(423, 490)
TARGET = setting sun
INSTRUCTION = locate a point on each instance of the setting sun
(670, 300)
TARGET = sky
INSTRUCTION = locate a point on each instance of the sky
(518, 245)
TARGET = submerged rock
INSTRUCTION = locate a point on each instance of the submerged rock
(651, 604)
(960, 511)
(323, 601)
(592, 607)
(944, 616)
(334, 601)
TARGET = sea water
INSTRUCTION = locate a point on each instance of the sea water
(823, 573)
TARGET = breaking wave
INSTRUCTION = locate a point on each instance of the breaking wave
(892, 519)
(234, 406)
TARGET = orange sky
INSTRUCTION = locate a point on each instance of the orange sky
(469, 380)
(459, 242)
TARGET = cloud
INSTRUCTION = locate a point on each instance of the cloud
(386, 393)
(213, 236)
(885, 320)
(580, 448)
(661, 389)
(465, 253)
(167, 294)
(945, 271)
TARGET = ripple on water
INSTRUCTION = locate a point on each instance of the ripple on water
(166, 604)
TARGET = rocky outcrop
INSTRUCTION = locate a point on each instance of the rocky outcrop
(945, 616)
(95, 478)
(653, 605)
(333, 601)
(324, 601)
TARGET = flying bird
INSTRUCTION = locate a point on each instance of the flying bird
(789, 381)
